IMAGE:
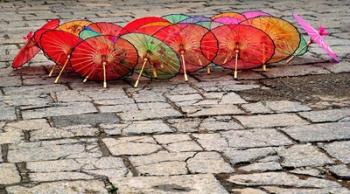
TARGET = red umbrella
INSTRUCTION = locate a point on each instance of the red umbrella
(242, 47)
(30, 49)
(106, 28)
(57, 45)
(133, 25)
(104, 58)
(209, 47)
(75, 26)
(152, 28)
(185, 39)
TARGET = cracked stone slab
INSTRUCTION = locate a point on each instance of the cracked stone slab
(60, 110)
(309, 171)
(280, 179)
(184, 97)
(8, 174)
(212, 142)
(27, 125)
(211, 110)
(53, 150)
(84, 119)
(39, 89)
(261, 167)
(256, 108)
(232, 98)
(320, 132)
(191, 184)
(326, 115)
(119, 108)
(286, 106)
(341, 171)
(183, 146)
(163, 168)
(87, 186)
(303, 155)
(137, 127)
(7, 113)
(149, 114)
(240, 156)
(255, 138)
(279, 190)
(185, 125)
(248, 191)
(339, 150)
(131, 145)
(218, 123)
(27, 101)
(295, 70)
(57, 133)
(273, 120)
(208, 162)
(11, 137)
(159, 157)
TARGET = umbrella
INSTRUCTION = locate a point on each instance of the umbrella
(285, 36)
(175, 18)
(209, 47)
(228, 18)
(133, 25)
(30, 48)
(242, 47)
(200, 20)
(316, 36)
(163, 61)
(104, 58)
(74, 27)
(57, 45)
(151, 28)
(254, 14)
(100, 28)
(185, 39)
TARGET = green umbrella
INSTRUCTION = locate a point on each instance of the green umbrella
(175, 18)
(157, 59)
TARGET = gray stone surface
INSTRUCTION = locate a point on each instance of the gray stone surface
(341, 171)
(303, 155)
(131, 145)
(89, 186)
(9, 174)
(319, 132)
(260, 133)
(326, 115)
(208, 162)
(280, 179)
(204, 184)
(339, 150)
(84, 119)
(255, 138)
(273, 120)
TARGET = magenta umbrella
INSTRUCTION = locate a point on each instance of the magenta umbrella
(316, 36)
(254, 14)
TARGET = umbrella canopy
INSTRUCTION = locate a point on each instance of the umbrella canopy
(316, 36)
(100, 28)
(200, 20)
(133, 25)
(185, 39)
(104, 58)
(285, 36)
(228, 18)
(57, 45)
(74, 27)
(175, 18)
(242, 47)
(151, 28)
(254, 14)
(31, 47)
(162, 60)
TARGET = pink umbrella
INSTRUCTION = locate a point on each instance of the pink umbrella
(254, 14)
(316, 36)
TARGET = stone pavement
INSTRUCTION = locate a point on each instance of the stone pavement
(269, 132)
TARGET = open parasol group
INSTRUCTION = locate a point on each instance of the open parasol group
(162, 47)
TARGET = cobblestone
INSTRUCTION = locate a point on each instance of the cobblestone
(284, 130)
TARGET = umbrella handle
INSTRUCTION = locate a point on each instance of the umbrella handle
(235, 74)
(208, 70)
(104, 74)
(184, 65)
(154, 71)
(88, 76)
(64, 67)
(293, 56)
(52, 70)
(142, 68)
